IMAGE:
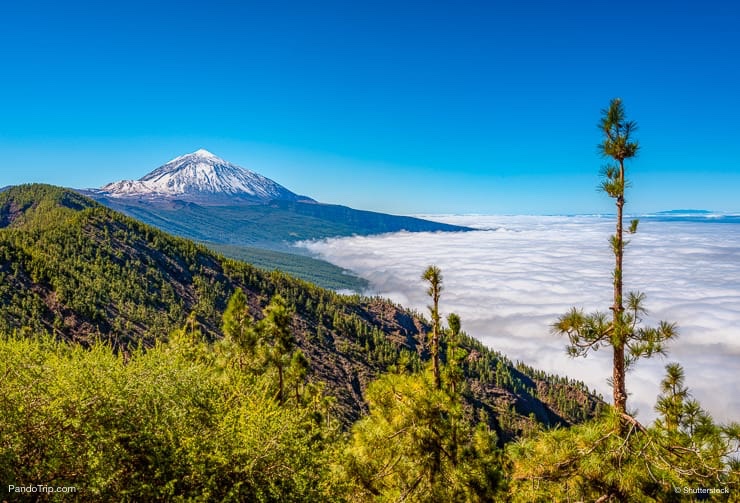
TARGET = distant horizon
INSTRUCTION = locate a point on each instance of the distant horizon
(673, 213)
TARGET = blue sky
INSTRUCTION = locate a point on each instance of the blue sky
(423, 107)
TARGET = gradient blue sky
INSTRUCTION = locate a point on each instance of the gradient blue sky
(423, 107)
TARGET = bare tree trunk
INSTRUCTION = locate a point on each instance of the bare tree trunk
(618, 375)
(435, 357)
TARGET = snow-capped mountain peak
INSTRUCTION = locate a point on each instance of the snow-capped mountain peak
(201, 152)
(202, 175)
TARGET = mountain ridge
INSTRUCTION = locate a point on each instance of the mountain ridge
(83, 272)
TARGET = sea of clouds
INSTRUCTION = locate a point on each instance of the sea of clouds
(510, 280)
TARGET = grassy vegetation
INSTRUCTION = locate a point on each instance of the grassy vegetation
(177, 422)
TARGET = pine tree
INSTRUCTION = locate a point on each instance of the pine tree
(433, 275)
(671, 404)
(588, 332)
(601, 460)
(278, 339)
(455, 355)
(416, 444)
(299, 367)
(237, 323)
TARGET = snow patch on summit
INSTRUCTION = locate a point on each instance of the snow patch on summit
(201, 174)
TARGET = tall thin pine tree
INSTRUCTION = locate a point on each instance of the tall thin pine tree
(628, 340)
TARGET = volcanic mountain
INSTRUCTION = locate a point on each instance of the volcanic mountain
(204, 178)
(243, 214)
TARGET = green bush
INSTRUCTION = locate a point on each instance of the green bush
(166, 424)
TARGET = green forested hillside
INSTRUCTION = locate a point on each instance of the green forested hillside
(142, 367)
(82, 272)
(318, 272)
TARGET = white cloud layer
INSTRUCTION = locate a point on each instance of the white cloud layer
(513, 278)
